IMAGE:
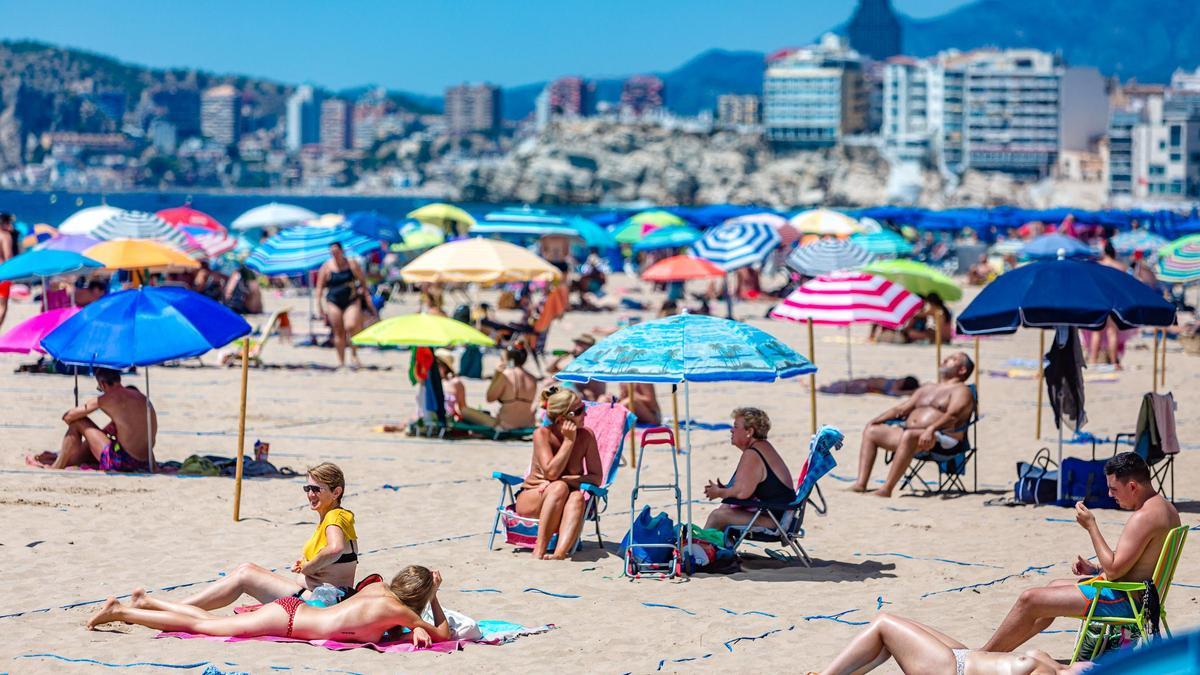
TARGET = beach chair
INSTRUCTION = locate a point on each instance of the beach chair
(1164, 573)
(278, 322)
(610, 423)
(789, 529)
(1158, 456)
(951, 465)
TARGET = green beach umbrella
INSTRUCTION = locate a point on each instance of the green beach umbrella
(640, 224)
(917, 277)
(420, 330)
(419, 236)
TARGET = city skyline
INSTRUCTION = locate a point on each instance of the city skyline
(330, 46)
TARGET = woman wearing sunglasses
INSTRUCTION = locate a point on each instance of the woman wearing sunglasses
(329, 557)
(564, 455)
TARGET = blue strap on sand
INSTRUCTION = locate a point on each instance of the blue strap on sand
(567, 596)
(837, 618)
(659, 604)
(1039, 569)
(912, 557)
(138, 664)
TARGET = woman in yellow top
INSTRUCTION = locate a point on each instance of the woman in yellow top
(329, 557)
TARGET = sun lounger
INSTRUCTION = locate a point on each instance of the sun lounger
(279, 322)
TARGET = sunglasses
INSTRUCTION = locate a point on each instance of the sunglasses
(581, 410)
(312, 489)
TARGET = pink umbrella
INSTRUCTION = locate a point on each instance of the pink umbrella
(27, 336)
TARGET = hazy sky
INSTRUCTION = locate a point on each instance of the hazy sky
(423, 46)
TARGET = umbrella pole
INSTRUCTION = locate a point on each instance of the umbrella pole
(1154, 365)
(937, 341)
(1162, 368)
(812, 380)
(241, 446)
(849, 358)
(1040, 375)
(977, 373)
(633, 434)
(687, 410)
(1060, 471)
(76, 369)
(675, 413)
(728, 299)
(44, 291)
(149, 426)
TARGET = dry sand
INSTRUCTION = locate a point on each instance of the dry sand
(73, 538)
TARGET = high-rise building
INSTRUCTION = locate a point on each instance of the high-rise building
(1183, 81)
(1119, 171)
(737, 110)
(472, 108)
(369, 111)
(303, 118)
(572, 97)
(874, 30)
(336, 125)
(220, 114)
(1165, 145)
(642, 95)
(814, 96)
(986, 109)
(162, 136)
(180, 107)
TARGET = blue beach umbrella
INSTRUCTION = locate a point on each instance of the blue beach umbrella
(885, 242)
(738, 244)
(593, 235)
(45, 263)
(142, 327)
(675, 236)
(373, 225)
(302, 249)
(1049, 247)
(1133, 241)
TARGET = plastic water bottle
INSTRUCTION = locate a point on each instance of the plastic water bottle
(325, 595)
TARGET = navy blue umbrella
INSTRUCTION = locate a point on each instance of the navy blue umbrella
(372, 225)
(1050, 246)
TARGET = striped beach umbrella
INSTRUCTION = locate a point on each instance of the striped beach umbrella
(142, 225)
(84, 221)
(213, 243)
(272, 215)
(1134, 241)
(883, 243)
(787, 234)
(827, 256)
(1179, 261)
(187, 217)
(737, 245)
(305, 248)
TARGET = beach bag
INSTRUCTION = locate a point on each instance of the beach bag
(470, 364)
(1036, 482)
(1084, 481)
(647, 530)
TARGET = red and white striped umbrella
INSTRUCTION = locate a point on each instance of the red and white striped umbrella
(214, 244)
(841, 299)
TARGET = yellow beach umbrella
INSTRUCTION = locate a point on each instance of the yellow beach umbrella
(446, 216)
(139, 254)
(825, 222)
(421, 330)
(480, 261)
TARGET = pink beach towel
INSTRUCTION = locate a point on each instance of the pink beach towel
(494, 633)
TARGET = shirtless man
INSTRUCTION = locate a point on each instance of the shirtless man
(120, 446)
(934, 414)
(1111, 335)
(8, 250)
(1134, 558)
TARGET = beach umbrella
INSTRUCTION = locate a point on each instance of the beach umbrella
(1064, 293)
(142, 225)
(27, 336)
(419, 236)
(75, 243)
(1179, 261)
(143, 327)
(631, 232)
(787, 234)
(917, 277)
(674, 236)
(827, 256)
(84, 221)
(214, 243)
(1049, 247)
(593, 235)
(1137, 241)
(139, 254)
(687, 348)
(373, 225)
(633, 228)
(478, 260)
(1006, 247)
(272, 215)
(825, 223)
(883, 242)
(537, 222)
(190, 219)
(681, 268)
(522, 228)
(302, 249)
(41, 232)
(453, 220)
(737, 245)
(40, 264)
(421, 330)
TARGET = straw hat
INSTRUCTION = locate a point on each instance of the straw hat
(446, 357)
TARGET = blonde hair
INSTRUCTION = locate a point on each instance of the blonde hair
(558, 401)
(755, 420)
(329, 475)
(414, 587)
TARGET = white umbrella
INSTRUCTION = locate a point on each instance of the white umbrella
(273, 215)
(84, 221)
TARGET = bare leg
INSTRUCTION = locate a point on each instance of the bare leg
(551, 515)
(724, 516)
(337, 324)
(904, 454)
(915, 648)
(250, 579)
(1112, 338)
(352, 320)
(1033, 612)
(875, 436)
(571, 525)
(3, 309)
(83, 443)
(139, 600)
(270, 620)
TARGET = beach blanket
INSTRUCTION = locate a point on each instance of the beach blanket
(494, 633)
(1031, 374)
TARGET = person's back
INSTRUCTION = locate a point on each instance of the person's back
(517, 398)
(126, 407)
(364, 617)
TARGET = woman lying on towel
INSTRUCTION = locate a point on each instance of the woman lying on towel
(376, 611)
(564, 455)
(918, 648)
(329, 557)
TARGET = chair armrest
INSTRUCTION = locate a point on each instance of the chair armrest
(1126, 586)
(755, 504)
(594, 489)
(507, 478)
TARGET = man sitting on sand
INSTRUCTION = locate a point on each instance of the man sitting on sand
(1133, 559)
(123, 445)
(935, 414)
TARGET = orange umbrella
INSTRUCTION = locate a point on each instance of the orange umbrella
(682, 268)
(138, 254)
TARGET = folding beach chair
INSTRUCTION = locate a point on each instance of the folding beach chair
(278, 322)
(609, 422)
(1164, 573)
(951, 464)
(1147, 442)
(789, 529)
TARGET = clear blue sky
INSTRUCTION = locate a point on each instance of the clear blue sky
(424, 45)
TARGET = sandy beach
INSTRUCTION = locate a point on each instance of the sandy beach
(75, 537)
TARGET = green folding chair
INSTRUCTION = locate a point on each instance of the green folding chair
(1164, 572)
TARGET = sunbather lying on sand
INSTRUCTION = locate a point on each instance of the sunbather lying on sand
(123, 445)
(918, 648)
(377, 610)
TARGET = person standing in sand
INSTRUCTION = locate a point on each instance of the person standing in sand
(934, 414)
(342, 298)
(123, 445)
(1134, 558)
(9, 240)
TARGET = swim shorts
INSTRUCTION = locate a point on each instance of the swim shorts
(1112, 603)
(114, 458)
(5, 288)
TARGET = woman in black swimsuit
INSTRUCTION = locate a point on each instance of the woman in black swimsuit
(341, 290)
(761, 473)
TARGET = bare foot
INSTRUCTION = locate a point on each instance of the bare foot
(857, 488)
(138, 599)
(882, 493)
(106, 614)
(547, 556)
(558, 557)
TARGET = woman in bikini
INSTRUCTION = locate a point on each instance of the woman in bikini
(329, 557)
(918, 648)
(374, 614)
(341, 292)
(761, 473)
(514, 387)
(564, 455)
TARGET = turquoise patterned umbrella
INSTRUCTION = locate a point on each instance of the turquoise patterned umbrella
(1128, 243)
(883, 243)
